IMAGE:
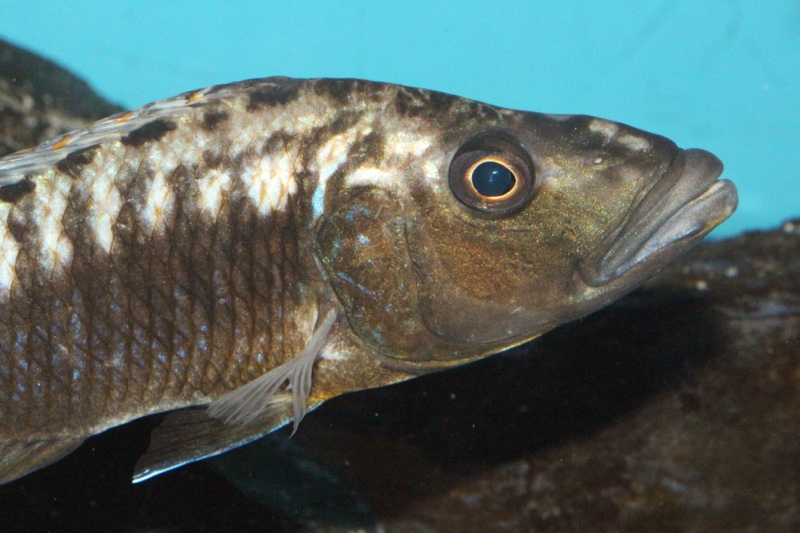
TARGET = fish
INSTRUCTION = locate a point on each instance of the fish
(237, 255)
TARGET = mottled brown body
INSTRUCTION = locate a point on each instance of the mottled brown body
(167, 317)
(203, 244)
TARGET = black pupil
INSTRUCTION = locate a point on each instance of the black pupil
(492, 179)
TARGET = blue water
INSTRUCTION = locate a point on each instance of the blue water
(720, 75)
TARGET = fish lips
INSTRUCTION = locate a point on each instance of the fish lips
(681, 208)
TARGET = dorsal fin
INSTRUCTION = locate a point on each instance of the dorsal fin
(35, 160)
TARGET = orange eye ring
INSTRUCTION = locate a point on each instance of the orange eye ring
(489, 174)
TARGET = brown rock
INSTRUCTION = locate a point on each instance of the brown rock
(39, 100)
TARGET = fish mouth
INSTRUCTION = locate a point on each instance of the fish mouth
(683, 206)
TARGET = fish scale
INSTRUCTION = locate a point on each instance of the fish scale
(237, 255)
(154, 253)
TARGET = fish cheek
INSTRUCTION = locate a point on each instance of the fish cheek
(364, 251)
(488, 282)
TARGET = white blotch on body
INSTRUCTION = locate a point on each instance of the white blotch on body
(334, 353)
(367, 176)
(431, 170)
(212, 187)
(54, 246)
(318, 200)
(8, 250)
(609, 130)
(159, 202)
(105, 204)
(269, 181)
(160, 199)
(331, 156)
(407, 143)
(192, 153)
(603, 127)
(633, 142)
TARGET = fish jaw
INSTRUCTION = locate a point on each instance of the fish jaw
(682, 207)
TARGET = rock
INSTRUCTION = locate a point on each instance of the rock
(39, 100)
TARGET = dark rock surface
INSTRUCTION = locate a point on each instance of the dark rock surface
(39, 100)
(676, 409)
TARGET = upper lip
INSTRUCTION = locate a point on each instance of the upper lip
(684, 205)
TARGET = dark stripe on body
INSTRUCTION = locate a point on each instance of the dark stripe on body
(213, 118)
(12, 193)
(274, 95)
(152, 131)
(75, 161)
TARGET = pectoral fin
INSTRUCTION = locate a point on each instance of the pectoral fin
(20, 457)
(239, 417)
(250, 400)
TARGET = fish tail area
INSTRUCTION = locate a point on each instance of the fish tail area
(241, 416)
(246, 403)
(21, 457)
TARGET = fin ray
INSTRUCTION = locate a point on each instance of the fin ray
(21, 457)
(191, 434)
(14, 167)
(244, 404)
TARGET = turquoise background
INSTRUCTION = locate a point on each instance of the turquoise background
(720, 75)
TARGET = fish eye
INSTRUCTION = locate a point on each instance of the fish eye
(492, 173)
(492, 178)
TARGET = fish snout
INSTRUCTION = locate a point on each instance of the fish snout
(682, 207)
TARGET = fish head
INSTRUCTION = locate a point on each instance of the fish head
(505, 224)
